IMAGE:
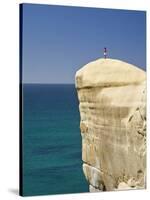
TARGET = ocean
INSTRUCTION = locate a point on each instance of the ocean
(52, 162)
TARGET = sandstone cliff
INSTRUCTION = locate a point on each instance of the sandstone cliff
(112, 104)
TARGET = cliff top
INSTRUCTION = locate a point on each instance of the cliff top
(108, 72)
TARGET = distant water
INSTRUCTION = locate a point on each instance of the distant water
(52, 141)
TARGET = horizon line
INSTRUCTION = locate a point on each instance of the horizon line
(51, 83)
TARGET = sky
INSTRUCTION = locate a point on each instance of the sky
(59, 40)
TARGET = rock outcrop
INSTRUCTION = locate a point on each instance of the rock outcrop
(112, 104)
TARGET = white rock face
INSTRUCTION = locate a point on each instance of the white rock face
(112, 104)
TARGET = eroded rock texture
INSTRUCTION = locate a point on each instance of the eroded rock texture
(112, 104)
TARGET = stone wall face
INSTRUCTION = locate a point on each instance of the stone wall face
(113, 129)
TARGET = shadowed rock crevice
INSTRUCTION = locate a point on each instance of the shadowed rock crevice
(112, 104)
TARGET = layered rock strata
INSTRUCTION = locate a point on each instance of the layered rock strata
(112, 104)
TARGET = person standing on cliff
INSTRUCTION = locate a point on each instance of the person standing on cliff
(105, 52)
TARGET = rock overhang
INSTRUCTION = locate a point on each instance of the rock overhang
(108, 72)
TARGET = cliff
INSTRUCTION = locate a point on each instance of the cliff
(112, 104)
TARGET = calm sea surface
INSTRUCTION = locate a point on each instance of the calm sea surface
(52, 161)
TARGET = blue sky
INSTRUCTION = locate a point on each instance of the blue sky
(58, 40)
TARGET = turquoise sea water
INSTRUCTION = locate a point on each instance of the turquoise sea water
(52, 161)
